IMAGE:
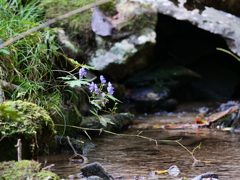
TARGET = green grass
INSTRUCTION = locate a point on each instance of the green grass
(28, 62)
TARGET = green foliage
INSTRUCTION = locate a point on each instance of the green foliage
(28, 62)
(7, 112)
(59, 7)
(25, 118)
(24, 170)
(98, 96)
(73, 81)
(228, 52)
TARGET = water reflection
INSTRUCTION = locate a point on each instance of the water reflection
(131, 156)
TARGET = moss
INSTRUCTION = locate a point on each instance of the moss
(109, 8)
(59, 7)
(137, 16)
(34, 127)
(24, 170)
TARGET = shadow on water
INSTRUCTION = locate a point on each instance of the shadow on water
(131, 156)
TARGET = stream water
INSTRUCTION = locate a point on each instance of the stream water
(131, 157)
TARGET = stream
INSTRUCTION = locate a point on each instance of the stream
(135, 158)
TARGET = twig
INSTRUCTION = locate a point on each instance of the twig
(109, 132)
(48, 167)
(19, 149)
(87, 135)
(138, 135)
(69, 142)
(52, 21)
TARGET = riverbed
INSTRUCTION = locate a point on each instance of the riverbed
(127, 157)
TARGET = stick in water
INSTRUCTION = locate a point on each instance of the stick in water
(19, 149)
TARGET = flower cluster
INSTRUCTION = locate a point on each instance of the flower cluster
(93, 87)
(100, 94)
(82, 73)
(110, 88)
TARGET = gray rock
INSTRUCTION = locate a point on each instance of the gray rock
(205, 176)
(96, 169)
(132, 51)
(92, 178)
(119, 120)
(100, 24)
(212, 20)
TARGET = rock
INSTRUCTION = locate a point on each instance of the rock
(100, 24)
(161, 77)
(61, 145)
(24, 170)
(218, 84)
(205, 176)
(95, 169)
(134, 38)
(92, 178)
(230, 6)
(212, 20)
(151, 90)
(34, 127)
(69, 47)
(119, 120)
(148, 101)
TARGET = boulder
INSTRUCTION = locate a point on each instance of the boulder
(129, 49)
(209, 19)
(34, 127)
(24, 169)
(96, 169)
(119, 121)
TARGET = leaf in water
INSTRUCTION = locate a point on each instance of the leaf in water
(77, 83)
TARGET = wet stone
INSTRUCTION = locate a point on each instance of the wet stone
(96, 169)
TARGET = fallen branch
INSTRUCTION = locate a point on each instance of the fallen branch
(53, 21)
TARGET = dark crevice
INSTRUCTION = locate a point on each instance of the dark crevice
(179, 43)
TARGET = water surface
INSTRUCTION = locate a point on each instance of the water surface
(131, 157)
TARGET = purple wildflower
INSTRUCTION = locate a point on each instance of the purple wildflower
(103, 95)
(110, 88)
(82, 73)
(92, 87)
(97, 90)
(103, 80)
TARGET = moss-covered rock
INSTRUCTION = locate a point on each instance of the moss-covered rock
(128, 50)
(119, 121)
(34, 127)
(77, 27)
(24, 170)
